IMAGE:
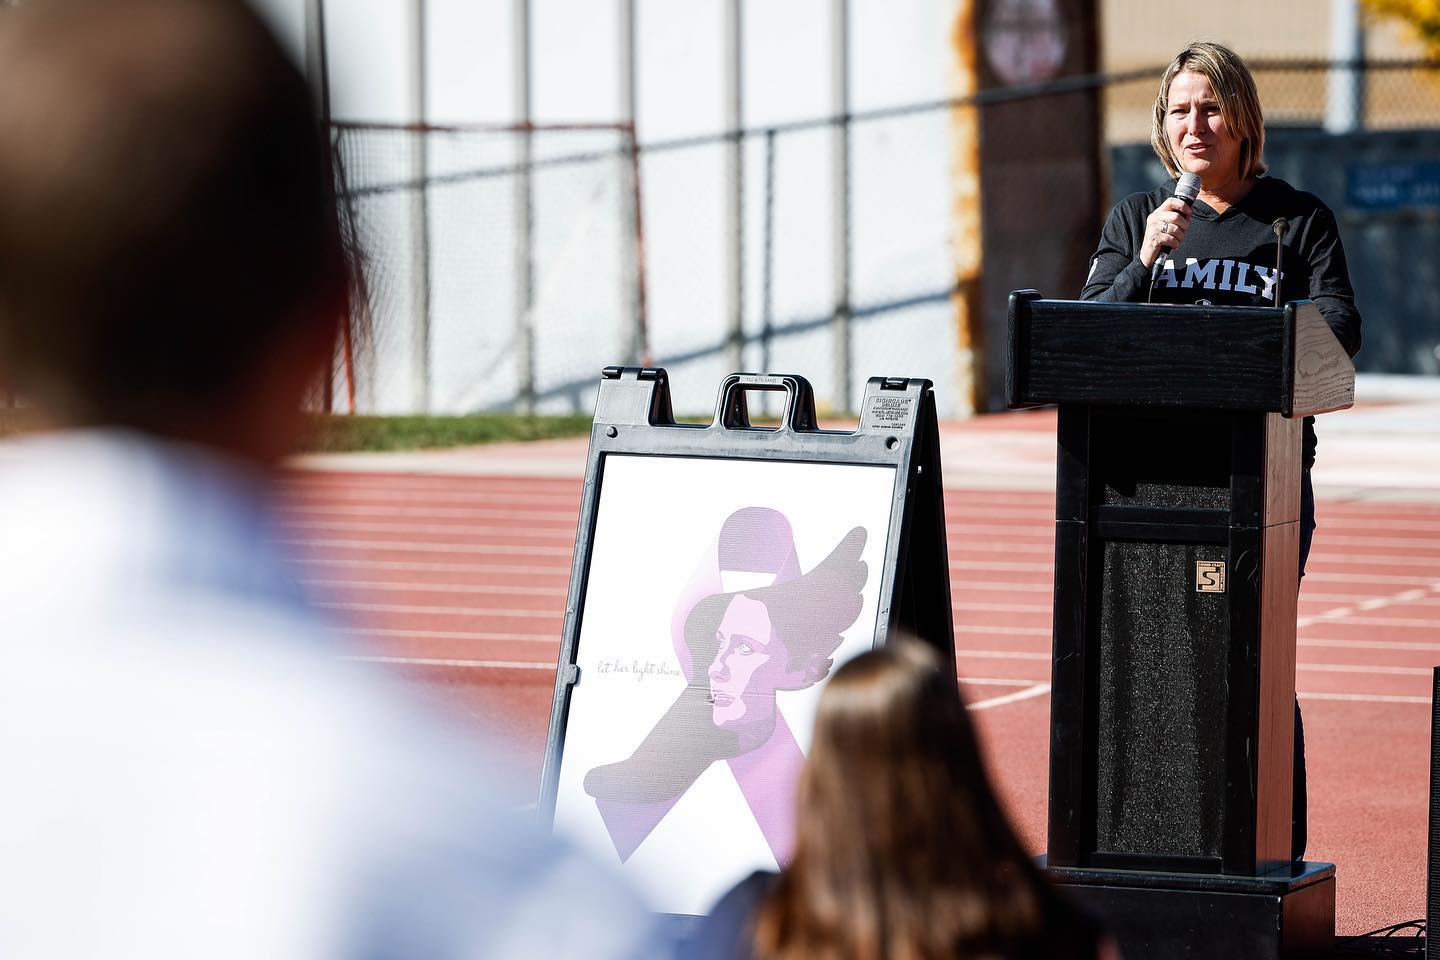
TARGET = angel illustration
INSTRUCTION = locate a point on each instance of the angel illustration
(749, 625)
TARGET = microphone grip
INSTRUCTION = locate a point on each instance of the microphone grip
(1158, 267)
(1187, 188)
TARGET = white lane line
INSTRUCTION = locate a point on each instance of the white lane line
(1002, 654)
(429, 547)
(465, 664)
(304, 495)
(1342, 599)
(1001, 546)
(384, 482)
(433, 513)
(1030, 689)
(550, 665)
(551, 638)
(438, 611)
(1035, 655)
(996, 682)
(999, 530)
(1367, 644)
(1002, 607)
(1356, 578)
(1363, 698)
(1360, 668)
(1039, 690)
(1429, 623)
(462, 588)
(1372, 560)
(1038, 656)
(1005, 631)
(1374, 603)
(1362, 527)
(1345, 541)
(422, 546)
(1346, 613)
(422, 566)
(439, 529)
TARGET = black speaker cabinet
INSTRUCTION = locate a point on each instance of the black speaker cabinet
(1176, 554)
(1172, 621)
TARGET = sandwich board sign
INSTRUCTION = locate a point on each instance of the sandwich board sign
(721, 572)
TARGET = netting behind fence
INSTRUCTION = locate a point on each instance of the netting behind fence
(899, 269)
(458, 260)
(1396, 95)
(460, 317)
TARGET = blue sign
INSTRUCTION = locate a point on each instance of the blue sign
(1389, 186)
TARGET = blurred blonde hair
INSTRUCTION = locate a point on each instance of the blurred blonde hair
(1239, 104)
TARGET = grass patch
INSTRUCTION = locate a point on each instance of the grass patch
(343, 434)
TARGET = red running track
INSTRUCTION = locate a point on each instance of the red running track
(460, 583)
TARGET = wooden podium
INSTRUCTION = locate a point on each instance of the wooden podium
(1176, 560)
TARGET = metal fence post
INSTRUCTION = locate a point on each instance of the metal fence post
(419, 217)
(633, 344)
(1345, 90)
(767, 276)
(318, 76)
(734, 243)
(840, 199)
(524, 212)
(967, 249)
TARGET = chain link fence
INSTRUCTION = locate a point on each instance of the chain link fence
(1395, 94)
(792, 237)
(459, 311)
(459, 318)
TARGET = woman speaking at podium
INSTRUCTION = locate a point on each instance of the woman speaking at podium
(1225, 248)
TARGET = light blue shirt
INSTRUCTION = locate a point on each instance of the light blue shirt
(190, 771)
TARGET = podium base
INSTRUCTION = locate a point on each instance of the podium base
(1168, 916)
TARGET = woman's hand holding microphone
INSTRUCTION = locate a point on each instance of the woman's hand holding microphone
(1165, 228)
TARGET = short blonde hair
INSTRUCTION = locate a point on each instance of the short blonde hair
(1239, 104)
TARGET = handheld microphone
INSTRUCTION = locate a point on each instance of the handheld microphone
(1187, 188)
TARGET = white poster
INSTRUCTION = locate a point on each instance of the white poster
(721, 594)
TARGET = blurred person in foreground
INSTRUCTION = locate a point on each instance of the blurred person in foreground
(189, 769)
(902, 850)
(1207, 121)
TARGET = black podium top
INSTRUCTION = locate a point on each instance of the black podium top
(1265, 359)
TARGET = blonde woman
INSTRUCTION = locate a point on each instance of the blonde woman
(1223, 249)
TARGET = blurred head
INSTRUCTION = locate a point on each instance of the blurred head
(1207, 117)
(894, 768)
(892, 736)
(170, 259)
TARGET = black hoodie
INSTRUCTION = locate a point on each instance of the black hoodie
(1229, 258)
